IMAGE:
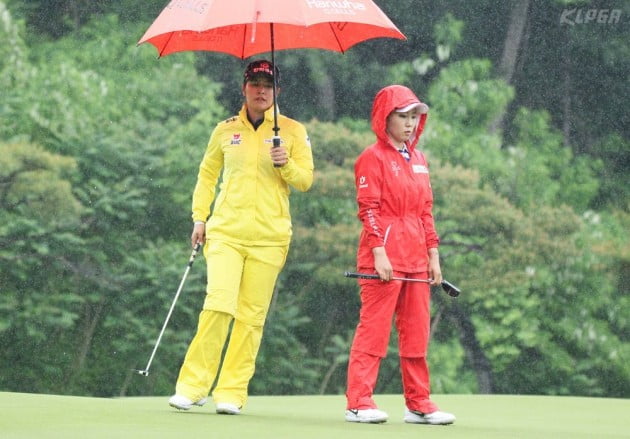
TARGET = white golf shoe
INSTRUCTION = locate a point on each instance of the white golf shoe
(435, 418)
(225, 408)
(367, 416)
(182, 403)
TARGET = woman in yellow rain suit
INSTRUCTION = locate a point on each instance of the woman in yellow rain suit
(246, 237)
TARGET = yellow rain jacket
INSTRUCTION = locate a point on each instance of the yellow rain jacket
(252, 207)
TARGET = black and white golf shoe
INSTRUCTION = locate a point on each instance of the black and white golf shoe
(435, 418)
(367, 416)
(182, 403)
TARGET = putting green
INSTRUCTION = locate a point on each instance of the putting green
(303, 417)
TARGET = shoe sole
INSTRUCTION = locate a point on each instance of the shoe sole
(429, 423)
(366, 421)
(188, 407)
(228, 411)
(424, 422)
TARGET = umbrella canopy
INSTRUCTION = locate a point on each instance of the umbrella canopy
(244, 28)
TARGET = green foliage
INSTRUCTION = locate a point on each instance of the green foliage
(336, 143)
(13, 53)
(464, 99)
(119, 127)
(576, 72)
(38, 217)
(314, 275)
(136, 309)
(330, 201)
(467, 215)
(613, 173)
(544, 170)
(284, 366)
(99, 148)
(469, 95)
(448, 31)
(449, 371)
(418, 73)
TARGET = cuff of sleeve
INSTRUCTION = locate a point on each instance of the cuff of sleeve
(433, 243)
(374, 241)
(287, 166)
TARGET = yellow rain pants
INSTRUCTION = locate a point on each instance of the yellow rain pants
(241, 281)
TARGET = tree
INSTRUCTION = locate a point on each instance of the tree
(39, 216)
(100, 144)
(122, 131)
(513, 41)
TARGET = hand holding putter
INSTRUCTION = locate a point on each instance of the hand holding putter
(448, 287)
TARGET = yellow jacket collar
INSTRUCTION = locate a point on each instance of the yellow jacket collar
(268, 113)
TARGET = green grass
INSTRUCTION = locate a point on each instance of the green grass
(303, 417)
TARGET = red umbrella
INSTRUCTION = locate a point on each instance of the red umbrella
(244, 28)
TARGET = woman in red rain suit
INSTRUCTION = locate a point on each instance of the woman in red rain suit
(398, 239)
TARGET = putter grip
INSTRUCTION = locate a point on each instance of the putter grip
(361, 275)
(194, 254)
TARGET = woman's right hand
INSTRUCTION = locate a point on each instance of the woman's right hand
(382, 265)
(198, 234)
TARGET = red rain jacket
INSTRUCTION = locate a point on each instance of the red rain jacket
(394, 195)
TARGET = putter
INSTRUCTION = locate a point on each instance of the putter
(145, 371)
(448, 287)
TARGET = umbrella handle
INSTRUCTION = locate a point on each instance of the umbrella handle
(276, 144)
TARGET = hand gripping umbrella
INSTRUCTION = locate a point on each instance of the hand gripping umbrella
(244, 28)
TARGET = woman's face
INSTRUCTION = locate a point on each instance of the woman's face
(400, 126)
(258, 95)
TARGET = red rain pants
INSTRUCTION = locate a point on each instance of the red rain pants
(380, 301)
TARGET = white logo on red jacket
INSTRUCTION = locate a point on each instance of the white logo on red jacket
(362, 182)
(420, 169)
(395, 168)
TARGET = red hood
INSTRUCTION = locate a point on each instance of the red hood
(386, 101)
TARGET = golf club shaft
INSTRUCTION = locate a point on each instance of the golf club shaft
(170, 311)
(448, 287)
(376, 276)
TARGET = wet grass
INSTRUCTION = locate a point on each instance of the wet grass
(303, 417)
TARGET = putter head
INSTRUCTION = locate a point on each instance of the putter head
(450, 289)
(144, 373)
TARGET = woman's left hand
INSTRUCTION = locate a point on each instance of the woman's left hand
(435, 272)
(279, 156)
